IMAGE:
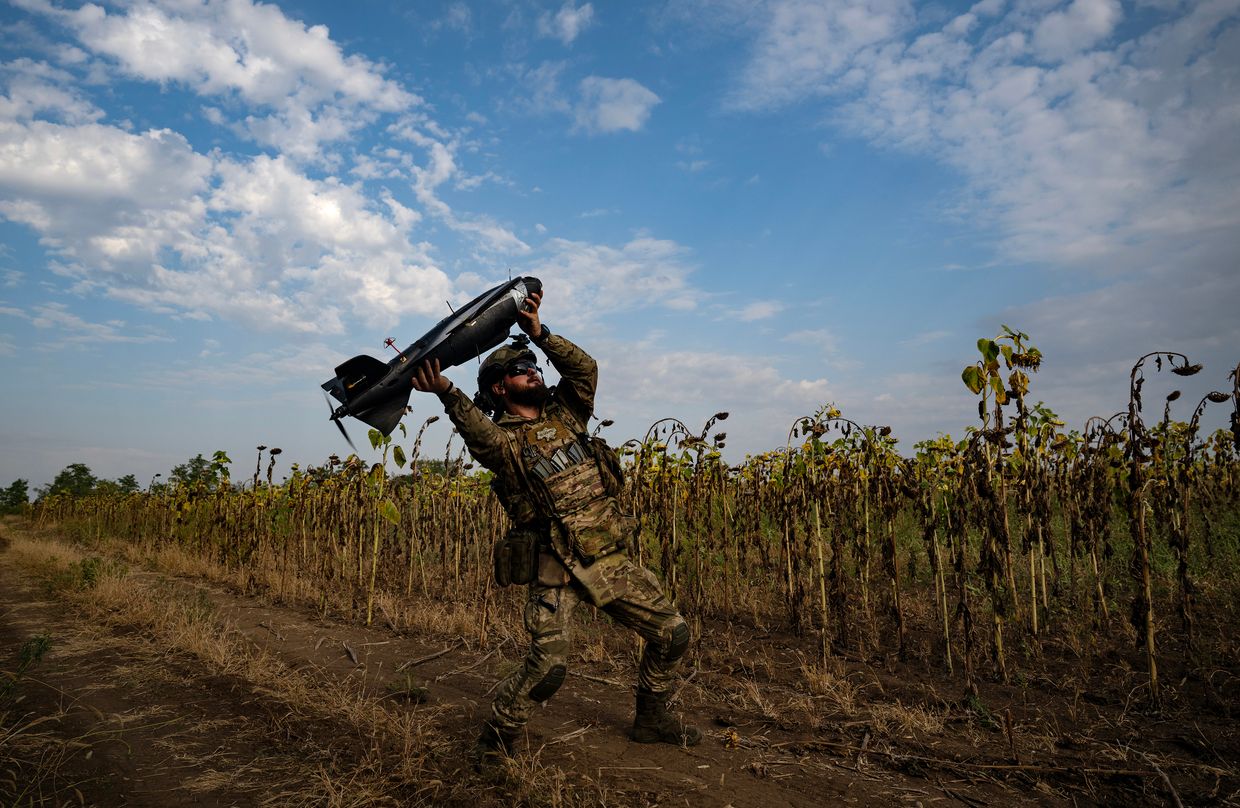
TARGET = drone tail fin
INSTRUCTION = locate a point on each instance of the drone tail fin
(355, 377)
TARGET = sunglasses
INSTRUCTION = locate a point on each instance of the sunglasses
(522, 367)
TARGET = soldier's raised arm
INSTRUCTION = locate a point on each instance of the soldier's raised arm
(578, 370)
(487, 443)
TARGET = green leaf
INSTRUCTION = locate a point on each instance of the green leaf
(989, 349)
(376, 437)
(398, 454)
(388, 510)
(1007, 354)
(972, 377)
(996, 384)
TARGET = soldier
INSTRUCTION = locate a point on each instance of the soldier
(569, 540)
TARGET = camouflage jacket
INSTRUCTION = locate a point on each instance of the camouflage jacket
(545, 474)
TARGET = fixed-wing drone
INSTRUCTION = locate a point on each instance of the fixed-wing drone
(377, 392)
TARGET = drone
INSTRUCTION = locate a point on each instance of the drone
(377, 392)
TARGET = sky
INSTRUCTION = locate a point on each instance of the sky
(751, 206)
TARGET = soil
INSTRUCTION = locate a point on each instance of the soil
(131, 722)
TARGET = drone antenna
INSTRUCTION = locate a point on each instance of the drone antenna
(449, 305)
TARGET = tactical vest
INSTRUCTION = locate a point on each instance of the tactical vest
(560, 462)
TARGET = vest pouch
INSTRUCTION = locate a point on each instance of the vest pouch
(592, 544)
(609, 467)
(516, 557)
(599, 531)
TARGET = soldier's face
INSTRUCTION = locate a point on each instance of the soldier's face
(522, 383)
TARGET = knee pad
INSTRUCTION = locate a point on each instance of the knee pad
(678, 642)
(550, 683)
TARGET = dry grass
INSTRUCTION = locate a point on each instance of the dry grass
(398, 612)
(184, 619)
(749, 696)
(32, 757)
(831, 684)
(898, 719)
(403, 759)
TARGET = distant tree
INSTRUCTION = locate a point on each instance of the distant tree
(106, 488)
(75, 480)
(15, 496)
(435, 467)
(195, 471)
(127, 484)
(120, 486)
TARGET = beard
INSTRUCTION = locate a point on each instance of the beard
(530, 396)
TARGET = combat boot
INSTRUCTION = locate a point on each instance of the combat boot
(654, 724)
(493, 745)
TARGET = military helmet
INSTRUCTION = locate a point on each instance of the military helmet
(492, 368)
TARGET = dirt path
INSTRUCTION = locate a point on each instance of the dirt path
(135, 722)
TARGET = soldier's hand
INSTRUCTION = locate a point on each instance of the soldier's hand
(527, 315)
(426, 378)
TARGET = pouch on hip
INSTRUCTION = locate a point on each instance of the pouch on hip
(516, 557)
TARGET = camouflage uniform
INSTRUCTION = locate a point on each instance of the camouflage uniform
(549, 482)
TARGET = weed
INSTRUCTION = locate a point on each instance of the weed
(979, 709)
(30, 654)
(407, 689)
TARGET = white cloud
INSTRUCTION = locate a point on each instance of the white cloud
(540, 91)
(824, 348)
(759, 310)
(146, 220)
(302, 252)
(99, 194)
(37, 89)
(1082, 24)
(68, 329)
(602, 105)
(817, 338)
(803, 44)
(592, 280)
(274, 199)
(926, 337)
(1074, 160)
(683, 377)
(642, 382)
(457, 17)
(267, 370)
(441, 167)
(567, 23)
(610, 105)
(315, 93)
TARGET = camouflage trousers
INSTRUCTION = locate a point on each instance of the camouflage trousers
(639, 604)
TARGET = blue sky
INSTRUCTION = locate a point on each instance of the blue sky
(758, 207)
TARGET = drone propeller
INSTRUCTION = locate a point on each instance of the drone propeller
(336, 418)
